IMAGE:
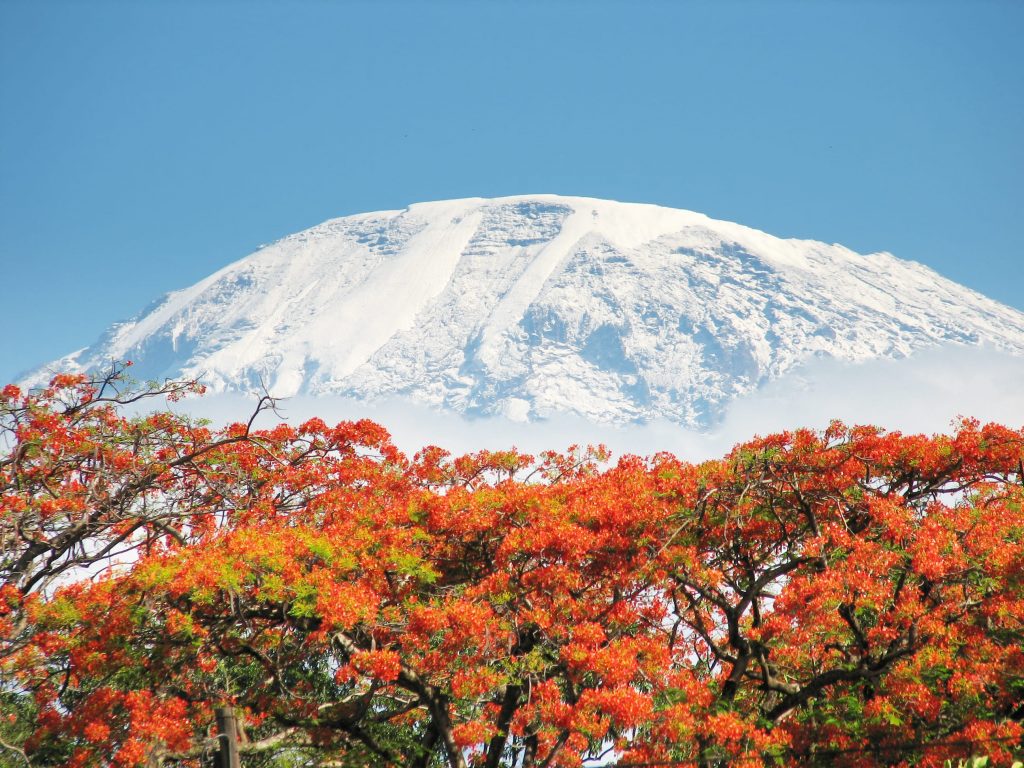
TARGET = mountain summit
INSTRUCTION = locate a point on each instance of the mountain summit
(535, 305)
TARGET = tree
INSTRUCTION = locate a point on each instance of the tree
(846, 598)
(83, 484)
(859, 590)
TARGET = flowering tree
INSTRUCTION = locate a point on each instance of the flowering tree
(848, 598)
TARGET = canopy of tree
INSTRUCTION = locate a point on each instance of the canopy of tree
(850, 597)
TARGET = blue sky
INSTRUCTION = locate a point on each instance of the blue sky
(145, 144)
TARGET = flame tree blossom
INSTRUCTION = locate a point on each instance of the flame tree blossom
(845, 597)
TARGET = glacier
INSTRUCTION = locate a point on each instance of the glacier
(534, 306)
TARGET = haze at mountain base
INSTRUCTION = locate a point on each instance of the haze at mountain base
(924, 393)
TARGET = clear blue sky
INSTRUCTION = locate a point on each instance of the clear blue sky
(145, 144)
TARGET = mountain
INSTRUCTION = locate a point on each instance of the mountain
(535, 305)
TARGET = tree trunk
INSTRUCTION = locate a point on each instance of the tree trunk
(227, 739)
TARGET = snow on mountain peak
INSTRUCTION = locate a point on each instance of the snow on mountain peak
(534, 305)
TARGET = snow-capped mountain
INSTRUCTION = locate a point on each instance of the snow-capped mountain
(536, 305)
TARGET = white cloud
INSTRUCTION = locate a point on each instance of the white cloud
(922, 393)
